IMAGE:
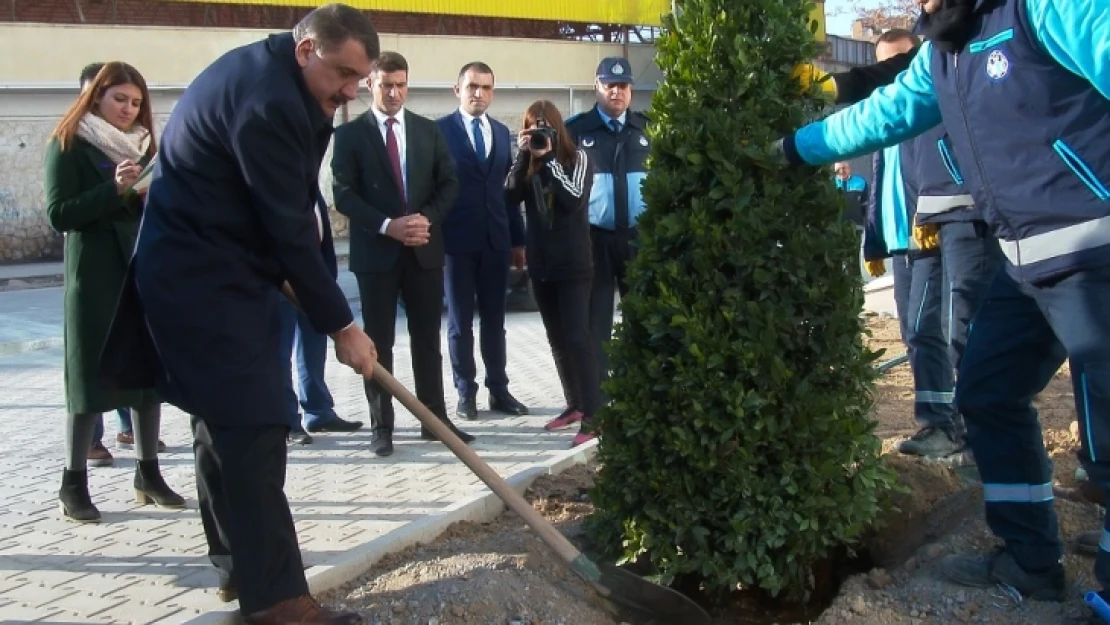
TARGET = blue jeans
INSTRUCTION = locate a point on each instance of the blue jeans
(1021, 335)
(124, 415)
(918, 296)
(310, 347)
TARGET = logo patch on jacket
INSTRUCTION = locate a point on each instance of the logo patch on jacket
(997, 65)
(643, 141)
(587, 142)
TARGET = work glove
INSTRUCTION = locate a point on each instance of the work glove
(926, 237)
(784, 152)
(875, 268)
(807, 74)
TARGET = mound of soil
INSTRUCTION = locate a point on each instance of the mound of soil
(500, 573)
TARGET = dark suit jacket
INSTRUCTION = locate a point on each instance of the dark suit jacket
(365, 190)
(480, 216)
(229, 217)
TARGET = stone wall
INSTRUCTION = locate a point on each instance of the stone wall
(25, 234)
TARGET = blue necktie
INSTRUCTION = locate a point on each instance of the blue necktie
(615, 125)
(479, 141)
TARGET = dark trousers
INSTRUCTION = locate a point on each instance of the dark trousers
(918, 292)
(481, 276)
(565, 309)
(302, 343)
(1021, 335)
(971, 259)
(422, 291)
(246, 517)
(612, 251)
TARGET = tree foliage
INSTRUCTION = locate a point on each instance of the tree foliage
(737, 447)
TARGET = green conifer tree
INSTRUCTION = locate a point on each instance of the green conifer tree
(737, 448)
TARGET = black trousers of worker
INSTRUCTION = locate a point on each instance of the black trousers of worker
(246, 517)
(565, 309)
(421, 289)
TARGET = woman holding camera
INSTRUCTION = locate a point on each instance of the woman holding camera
(93, 158)
(553, 178)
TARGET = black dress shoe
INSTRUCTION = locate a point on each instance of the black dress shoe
(337, 425)
(468, 409)
(506, 403)
(382, 443)
(428, 435)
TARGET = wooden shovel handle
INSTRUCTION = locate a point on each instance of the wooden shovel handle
(474, 462)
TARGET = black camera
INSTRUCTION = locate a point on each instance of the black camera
(542, 135)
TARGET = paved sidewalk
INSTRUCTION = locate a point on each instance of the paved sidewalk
(145, 564)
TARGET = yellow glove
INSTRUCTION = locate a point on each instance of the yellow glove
(875, 268)
(926, 237)
(808, 73)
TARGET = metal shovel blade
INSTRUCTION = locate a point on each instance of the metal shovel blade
(665, 606)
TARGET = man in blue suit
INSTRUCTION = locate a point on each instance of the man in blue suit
(230, 218)
(482, 235)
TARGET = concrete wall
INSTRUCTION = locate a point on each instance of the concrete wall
(37, 90)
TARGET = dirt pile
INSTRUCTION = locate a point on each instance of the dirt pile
(497, 573)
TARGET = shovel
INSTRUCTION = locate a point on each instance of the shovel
(664, 605)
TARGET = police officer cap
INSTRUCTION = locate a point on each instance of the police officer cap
(613, 70)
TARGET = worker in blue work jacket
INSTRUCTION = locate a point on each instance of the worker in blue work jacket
(1023, 87)
(615, 138)
(918, 281)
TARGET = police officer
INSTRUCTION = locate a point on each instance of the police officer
(1024, 92)
(614, 138)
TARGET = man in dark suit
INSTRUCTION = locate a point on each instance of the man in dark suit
(480, 235)
(229, 219)
(394, 179)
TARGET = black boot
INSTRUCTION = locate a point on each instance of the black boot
(73, 499)
(151, 488)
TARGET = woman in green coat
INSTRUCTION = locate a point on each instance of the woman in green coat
(94, 156)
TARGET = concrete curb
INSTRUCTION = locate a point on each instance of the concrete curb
(19, 347)
(481, 507)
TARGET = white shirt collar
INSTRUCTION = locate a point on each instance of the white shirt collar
(381, 117)
(468, 119)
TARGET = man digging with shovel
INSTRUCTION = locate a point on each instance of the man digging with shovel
(231, 215)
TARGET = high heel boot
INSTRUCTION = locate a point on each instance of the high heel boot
(73, 498)
(151, 488)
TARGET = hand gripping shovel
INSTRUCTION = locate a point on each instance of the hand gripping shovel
(663, 605)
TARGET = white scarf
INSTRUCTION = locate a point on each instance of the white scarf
(116, 144)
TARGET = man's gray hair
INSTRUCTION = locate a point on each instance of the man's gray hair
(331, 25)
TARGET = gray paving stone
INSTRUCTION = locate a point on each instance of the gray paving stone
(143, 564)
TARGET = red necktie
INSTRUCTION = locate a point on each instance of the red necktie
(395, 160)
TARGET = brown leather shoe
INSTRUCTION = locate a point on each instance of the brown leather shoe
(302, 610)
